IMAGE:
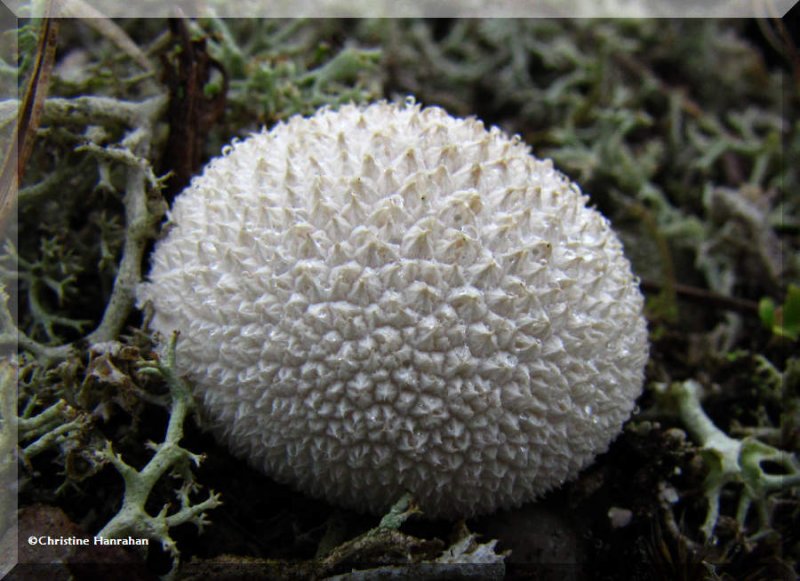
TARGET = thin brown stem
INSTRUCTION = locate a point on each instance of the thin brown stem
(704, 297)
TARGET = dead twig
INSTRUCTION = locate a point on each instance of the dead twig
(704, 297)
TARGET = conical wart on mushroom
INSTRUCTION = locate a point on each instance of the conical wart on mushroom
(381, 299)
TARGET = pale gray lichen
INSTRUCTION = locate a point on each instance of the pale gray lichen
(732, 461)
(169, 458)
(386, 299)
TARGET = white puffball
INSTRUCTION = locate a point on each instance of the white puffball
(386, 298)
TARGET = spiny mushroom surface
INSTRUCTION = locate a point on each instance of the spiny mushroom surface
(386, 298)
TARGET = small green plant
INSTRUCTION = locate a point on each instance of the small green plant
(783, 320)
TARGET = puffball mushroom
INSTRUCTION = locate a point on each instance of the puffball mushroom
(387, 299)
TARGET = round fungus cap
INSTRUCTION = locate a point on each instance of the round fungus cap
(385, 299)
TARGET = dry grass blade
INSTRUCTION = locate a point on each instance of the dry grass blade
(30, 114)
